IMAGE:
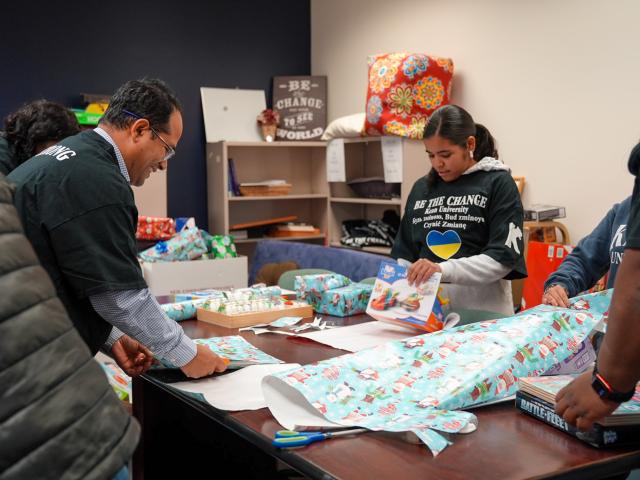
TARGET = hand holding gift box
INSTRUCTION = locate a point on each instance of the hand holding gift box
(419, 306)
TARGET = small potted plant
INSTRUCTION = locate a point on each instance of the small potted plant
(268, 121)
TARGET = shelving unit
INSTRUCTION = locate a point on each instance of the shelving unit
(363, 157)
(312, 199)
(302, 164)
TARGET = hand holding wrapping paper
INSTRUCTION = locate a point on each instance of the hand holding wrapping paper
(234, 348)
(416, 384)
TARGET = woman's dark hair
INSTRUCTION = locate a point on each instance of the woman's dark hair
(148, 98)
(456, 125)
(36, 123)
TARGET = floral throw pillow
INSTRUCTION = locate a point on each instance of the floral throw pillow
(404, 89)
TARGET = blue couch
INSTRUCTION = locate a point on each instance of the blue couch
(354, 264)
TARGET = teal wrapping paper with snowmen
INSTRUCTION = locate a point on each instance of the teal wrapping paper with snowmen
(420, 384)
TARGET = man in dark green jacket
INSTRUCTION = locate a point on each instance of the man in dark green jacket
(59, 418)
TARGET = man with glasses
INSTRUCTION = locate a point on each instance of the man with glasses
(78, 211)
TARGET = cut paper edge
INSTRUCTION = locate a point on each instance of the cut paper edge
(293, 411)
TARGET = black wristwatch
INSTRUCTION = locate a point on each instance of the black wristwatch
(605, 391)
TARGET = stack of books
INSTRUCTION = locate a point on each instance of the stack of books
(537, 398)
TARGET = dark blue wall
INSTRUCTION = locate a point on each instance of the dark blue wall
(57, 50)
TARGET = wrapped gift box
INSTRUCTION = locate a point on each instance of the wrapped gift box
(333, 294)
(155, 228)
(186, 245)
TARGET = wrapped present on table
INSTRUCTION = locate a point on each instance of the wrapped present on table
(219, 246)
(186, 245)
(155, 228)
(333, 294)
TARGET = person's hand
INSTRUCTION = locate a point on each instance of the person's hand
(580, 405)
(131, 356)
(556, 296)
(420, 271)
(204, 363)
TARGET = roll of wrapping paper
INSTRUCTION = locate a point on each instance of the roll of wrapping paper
(181, 310)
(186, 309)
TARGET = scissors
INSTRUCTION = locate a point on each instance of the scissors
(291, 438)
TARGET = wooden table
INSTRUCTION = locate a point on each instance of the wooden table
(191, 436)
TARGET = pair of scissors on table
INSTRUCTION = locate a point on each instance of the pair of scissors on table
(291, 438)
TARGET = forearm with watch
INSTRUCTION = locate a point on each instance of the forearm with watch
(618, 363)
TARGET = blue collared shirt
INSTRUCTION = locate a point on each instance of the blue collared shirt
(121, 164)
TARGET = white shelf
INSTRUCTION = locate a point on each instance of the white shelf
(279, 197)
(378, 250)
(367, 201)
(276, 144)
(253, 240)
(300, 143)
(362, 139)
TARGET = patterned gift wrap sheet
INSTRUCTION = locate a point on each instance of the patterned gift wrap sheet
(420, 384)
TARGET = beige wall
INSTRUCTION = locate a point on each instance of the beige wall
(556, 81)
(151, 198)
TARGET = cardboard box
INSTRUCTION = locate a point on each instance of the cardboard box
(166, 278)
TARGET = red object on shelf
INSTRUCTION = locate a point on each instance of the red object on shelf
(155, 228)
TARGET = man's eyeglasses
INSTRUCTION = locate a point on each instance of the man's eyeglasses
(170, 151)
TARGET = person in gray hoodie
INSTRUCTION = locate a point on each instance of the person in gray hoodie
(464, 218)
(59, 418)
(596, 254)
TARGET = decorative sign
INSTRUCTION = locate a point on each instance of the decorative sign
(302, 104)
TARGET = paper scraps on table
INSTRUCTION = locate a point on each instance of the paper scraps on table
(317, 324)
(354, 338)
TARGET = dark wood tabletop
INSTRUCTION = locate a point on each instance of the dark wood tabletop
(506, 445)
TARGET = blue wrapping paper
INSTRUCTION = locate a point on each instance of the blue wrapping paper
(419, 384)
(186, 245)
(333, 294)
(180, 311)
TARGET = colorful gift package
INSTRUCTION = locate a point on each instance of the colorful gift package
(333, 294)
(419, 384)
(219, 246)
(155, 228)
(404, 90)
(186, 245)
